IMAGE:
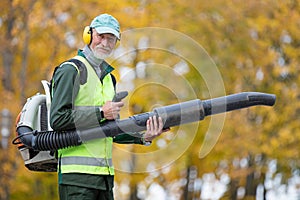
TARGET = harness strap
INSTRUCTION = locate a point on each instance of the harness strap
(82, 72)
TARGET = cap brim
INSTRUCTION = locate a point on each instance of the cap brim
(102, 30)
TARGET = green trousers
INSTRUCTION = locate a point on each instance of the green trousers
(71, 192)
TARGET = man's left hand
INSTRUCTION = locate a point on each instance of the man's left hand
(154, 128)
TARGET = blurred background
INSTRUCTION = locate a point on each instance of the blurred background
(252, 45)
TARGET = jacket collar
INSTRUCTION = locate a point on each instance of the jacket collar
(104, 66)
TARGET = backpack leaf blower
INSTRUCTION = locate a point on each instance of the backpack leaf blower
(37, 141)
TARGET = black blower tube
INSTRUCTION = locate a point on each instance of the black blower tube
(172, 115)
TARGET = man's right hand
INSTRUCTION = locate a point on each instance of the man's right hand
(111, 110)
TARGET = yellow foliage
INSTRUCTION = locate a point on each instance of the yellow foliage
(254, 44)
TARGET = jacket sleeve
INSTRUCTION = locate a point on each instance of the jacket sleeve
(127, 138)
(65, 88)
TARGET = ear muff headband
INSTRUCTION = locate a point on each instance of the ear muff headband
(87, 35)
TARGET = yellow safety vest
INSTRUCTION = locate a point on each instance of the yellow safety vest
(92, 157)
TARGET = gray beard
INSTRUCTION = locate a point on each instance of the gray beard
(100, 55)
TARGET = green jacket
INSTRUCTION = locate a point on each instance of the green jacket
(94, 156)
(63, 117)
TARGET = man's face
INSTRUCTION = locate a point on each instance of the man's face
(102, 44)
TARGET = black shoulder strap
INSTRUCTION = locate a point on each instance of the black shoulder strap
(113, 78)
(82, 70)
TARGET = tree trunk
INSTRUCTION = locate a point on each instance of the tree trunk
(186, 189)
(24, 64)
(233, 189)
(250, 185)
(8, 52)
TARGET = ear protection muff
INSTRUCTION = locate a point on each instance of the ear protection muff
(87, 35)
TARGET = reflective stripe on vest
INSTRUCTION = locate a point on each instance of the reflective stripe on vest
(92, 157)
(79, 160)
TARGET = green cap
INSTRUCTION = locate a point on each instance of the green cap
(106, 23)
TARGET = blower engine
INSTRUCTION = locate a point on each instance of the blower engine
(35, 114)
(37, 142)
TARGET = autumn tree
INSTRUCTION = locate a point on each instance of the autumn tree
(249, 46)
